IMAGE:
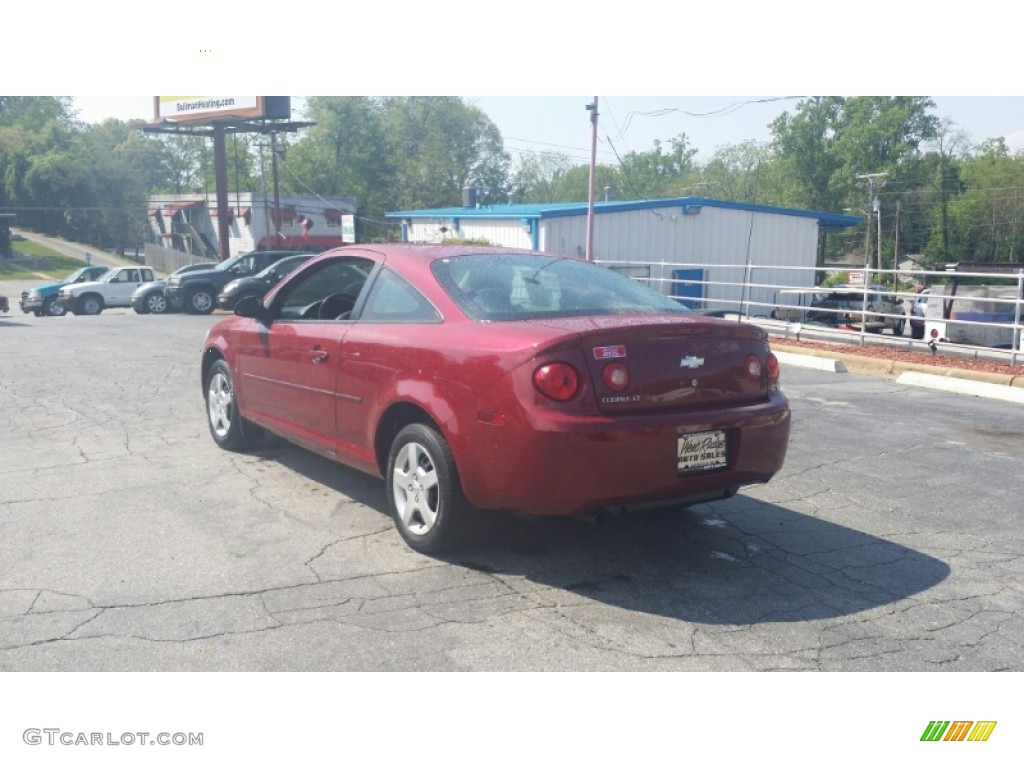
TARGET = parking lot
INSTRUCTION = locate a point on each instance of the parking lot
(890, 541)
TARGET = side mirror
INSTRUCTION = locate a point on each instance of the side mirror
(251, 306)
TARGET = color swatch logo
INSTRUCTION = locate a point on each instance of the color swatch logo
(958, 730)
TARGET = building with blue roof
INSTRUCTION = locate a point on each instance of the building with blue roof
(699, 249)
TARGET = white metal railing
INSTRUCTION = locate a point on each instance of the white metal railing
(735, 288)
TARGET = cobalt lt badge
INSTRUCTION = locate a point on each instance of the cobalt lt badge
(690, 361)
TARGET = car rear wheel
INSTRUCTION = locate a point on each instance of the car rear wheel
(425, 497)
(90, 304)
(52, 307)
(200, 301)
(898, 328)
(155, 303)
(229, 430)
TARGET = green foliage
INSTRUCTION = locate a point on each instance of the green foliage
(43, 261)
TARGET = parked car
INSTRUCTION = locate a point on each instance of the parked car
(259, 284)
(489, 377)
(844, 305)
(151, 298)
(196, 292)
(44, 300)
(918, 311)
(113, 289)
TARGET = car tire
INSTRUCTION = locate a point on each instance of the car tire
(52, 307)
(200, 301)
(424, 494)
(90, 304)
(228, 429)
(898, 328)
(155, 303)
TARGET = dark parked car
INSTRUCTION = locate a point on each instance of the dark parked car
(500, 379)
(196, 292)
(258, 285)
(151, 298)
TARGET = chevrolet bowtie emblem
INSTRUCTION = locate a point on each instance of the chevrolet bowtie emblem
(691, 362)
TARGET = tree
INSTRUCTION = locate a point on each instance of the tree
(535, 176)
(343, 154)
(656, 173)
(440, 145)
(745, 172)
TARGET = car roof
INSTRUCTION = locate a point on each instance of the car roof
(430, 252)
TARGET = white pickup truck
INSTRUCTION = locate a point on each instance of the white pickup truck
(114, 289)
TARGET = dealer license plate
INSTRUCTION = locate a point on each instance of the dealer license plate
(699, 451)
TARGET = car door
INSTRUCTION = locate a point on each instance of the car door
(385, 339)
(289, 369)
(120, 289)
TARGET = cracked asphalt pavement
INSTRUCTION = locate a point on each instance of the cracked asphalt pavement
(128, 541)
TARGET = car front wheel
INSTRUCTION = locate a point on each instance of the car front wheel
(156, 303)
(229, 430)
(200, 302)
(90, 304)
(52, 307)
(424, 495)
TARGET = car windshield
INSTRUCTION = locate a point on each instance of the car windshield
(229, 263)
(74, 276)
(528, 286)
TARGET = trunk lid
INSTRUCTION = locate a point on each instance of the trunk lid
(674, 363)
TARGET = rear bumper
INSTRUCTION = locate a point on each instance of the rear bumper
(559, 466)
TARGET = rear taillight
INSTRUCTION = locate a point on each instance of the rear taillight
(615, 377)
(559, 381)
(773, 367)
(752, 368)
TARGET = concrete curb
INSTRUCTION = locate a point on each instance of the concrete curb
(962, 386)
(830, 365)
(883, 367)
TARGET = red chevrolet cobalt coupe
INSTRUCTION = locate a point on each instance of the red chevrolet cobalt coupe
(497, 378)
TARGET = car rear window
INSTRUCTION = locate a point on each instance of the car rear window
(528, 286)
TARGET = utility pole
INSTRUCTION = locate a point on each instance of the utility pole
(875, 205)
(896, 251)
(274, 149)
(592, 108)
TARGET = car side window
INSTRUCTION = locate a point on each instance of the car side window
(393, 300)
(128, 276)
(328, 293)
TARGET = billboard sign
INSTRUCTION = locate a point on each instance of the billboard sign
(197, 109)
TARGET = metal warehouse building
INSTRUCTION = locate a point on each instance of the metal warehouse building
(701, 249)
